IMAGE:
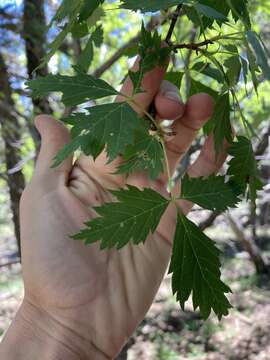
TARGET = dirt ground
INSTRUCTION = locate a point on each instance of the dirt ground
(167, 333)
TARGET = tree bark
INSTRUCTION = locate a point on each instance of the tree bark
(34, 35)
(11, 133)
(248, 245)
(209, 221)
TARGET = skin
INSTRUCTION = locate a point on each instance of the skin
(81, 302)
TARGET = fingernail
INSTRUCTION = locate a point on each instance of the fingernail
(172, 95)
(170, 91)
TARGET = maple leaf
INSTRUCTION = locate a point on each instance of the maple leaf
(261, 55)
(211, 193)
(88, 8)
(67, 8)
(136, 214)
(151, 54)
(145, 154)
(76, 89)
(233, 64)
(86, 57)
(195, 269)
(112, 125)
(243, 166)
(239, 10)
(221, 122)
(150, 5)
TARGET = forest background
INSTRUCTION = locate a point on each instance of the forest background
(166, 333)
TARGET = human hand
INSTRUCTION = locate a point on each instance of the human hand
(90, 300)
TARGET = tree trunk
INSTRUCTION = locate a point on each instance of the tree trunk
(34, 34)
(124, 353)
(11, 133)
(248, 245)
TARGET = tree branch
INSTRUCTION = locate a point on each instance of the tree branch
(264, 143)
(10, 263)
(193, 46)
(209, 221)
(173, 23)
(6, 15)
(115, 57)
(248, 245)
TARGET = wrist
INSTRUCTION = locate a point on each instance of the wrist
(36, 334)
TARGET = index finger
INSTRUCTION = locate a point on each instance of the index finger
(150, 85)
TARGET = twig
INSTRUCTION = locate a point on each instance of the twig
(248, 244)
(6, 15)
(264, 143)
(119, 53)
(193, 46)
(10, 263)
(115, 57)
(173, 23)
(187, 61)
(208, 222)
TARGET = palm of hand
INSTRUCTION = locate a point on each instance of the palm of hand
(79, 283)
(82, 287)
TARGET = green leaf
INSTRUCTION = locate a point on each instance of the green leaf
(211, 193)
(86, 57)
(195, 269)
(151, 5)
(233, 49)
(144, 155)
(97, 36)
(97, 15)
(76, 89)
(221, 122)
(210, 12)
(131, 51)
(255, 184)
(112, 125)
(175, 77)
(253, 67)
(240, 11)
(259, 51)
(151, 54)
(233, 65)
(136, 214)
(136, 79)
(243, 166)
(66, 151)
(206, 12)
(55, 44)
(243, 163)
(208, 70)
(79, 30)
(67, 8)
(197, 87)
(88, 8)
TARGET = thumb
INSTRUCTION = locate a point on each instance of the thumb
(54, 135)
